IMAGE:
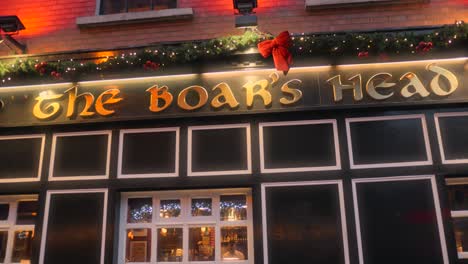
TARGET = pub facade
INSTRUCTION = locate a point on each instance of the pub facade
(209, 151)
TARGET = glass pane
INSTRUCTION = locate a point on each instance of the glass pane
(234, 243)
(4, 211)
(164, 4)
(201, 207)
(22, 247)
(460, 226)
(139, 5)
(169, 208)
(140, 210)
(201, 243)
(3, 244)
(113, 6)
(170, 244)
(233, 207)
(458, 197)
(27, 212)
(138, 245)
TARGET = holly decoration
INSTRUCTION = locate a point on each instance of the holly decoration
(380, 45)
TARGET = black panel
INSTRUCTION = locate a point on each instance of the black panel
(74, 230)
(454, 131)
(149, 152)
(388, 141)
(304, 225)
(219, 149)
(19, 158)
(398, 223)
(80, 155)
(299, 146)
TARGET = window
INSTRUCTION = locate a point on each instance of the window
(17, 219)
(458, 199)
(124, 6)
(202, 226)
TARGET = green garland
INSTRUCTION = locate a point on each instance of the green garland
(153, 58)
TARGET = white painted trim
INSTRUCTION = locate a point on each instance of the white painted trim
(46, 219)
(120, 175)
(77, 177)
(439, 137)
(41, 158)
(459, 213)
(186, 220)
(9, 225)
(422, 117)
(438, 210)
(339, 184)
(300, 123)
(216, 173)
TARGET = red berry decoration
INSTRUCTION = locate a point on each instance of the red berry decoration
(424, 46)
(363, 54)
(149, 65)
(41, 67)
(56, 75)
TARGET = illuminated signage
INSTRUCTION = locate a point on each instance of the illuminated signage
(304, 88)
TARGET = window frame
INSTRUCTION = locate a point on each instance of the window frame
(53, 177)
(341, 201)
(265, 170)
(10, 225)
(437, 117)
(458, 213)
(248, 141)
(100, 7)
(425, 134)
(186, 221)
(122, 134)
(437, 206)
(42, 137)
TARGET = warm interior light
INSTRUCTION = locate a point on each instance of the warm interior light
(203, 229)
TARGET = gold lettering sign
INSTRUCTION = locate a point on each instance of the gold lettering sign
(338, 87)
(415, 82)
(159, 93)
(452, 79)
(371, 86)
(72, 97)
(225, 97)
(262, 92)
(202, 97)
(48, 110)
(111, 99)
(295, 93)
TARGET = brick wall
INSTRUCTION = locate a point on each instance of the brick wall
(51, 25)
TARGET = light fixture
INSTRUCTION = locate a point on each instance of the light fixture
(11, 25)
(245, 17)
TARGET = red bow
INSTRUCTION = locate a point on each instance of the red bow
(279, 47)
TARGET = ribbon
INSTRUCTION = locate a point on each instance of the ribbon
(279, 48)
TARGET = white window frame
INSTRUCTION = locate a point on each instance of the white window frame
(261, 126)
(10, 225)
(41, 158)
(339, 185)
(437, 116)
(246, 126)
(123, 132)
(53, 177)
(435, 195)
(185, 221)
(46, 219)
(458, 213)
(425, 135)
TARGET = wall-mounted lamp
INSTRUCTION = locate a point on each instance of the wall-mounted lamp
(245, 17)
(11, 25)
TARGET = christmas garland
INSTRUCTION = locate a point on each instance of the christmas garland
(377, 44)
